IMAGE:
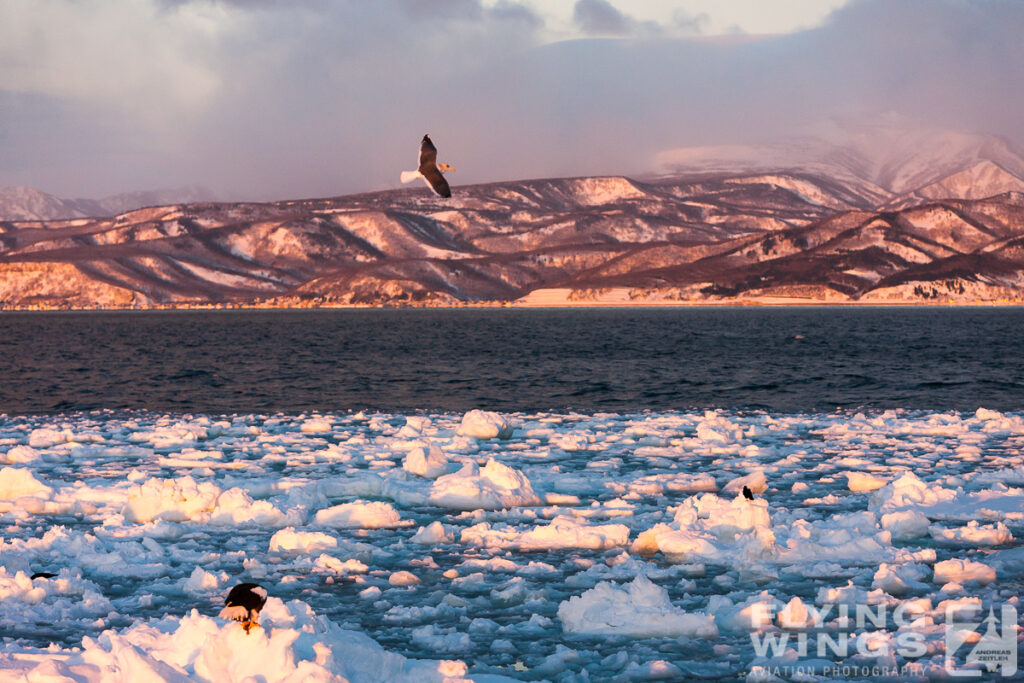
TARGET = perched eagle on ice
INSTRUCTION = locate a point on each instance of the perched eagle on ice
(244, 603)
(431, 171)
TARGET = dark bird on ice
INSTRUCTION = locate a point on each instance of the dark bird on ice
(431, 171)
(244, 603)
(747, 493)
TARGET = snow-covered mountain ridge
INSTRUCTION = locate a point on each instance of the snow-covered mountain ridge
(892, 157)
(21, 203)
(697, 236)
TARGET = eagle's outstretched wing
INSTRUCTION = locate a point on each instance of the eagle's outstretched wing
(429, 170)
(428, 154)
(436, 180)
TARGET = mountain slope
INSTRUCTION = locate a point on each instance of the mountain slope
(22, 203)
(938, 248)
(696, 237)
(890, 162)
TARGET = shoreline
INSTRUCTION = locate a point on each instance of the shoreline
(558, 297)
(520, 306)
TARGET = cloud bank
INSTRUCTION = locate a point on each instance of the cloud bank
(267, 99)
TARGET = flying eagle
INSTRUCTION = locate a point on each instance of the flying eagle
(244, 603)
(430, 170)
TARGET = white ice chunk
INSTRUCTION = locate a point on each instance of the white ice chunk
(414, 426)
(863, 481)
(185, 499)
(493, 487)
(290, 540)
(908, 492)
(426, 461)
(60, 599)
(371, 593)
(360, 514)
(433, 534)
(960, 570)
(45, 437)
(174, 500)
(562, 532)
(16, 482)
(403, 578)
(291, 644)
(756, 481)
(662, 483)
(900, 579)
(796, 614)
(905, 524)
(973, 534)
(709, 527)
(482, 424)
(18, 455)
(202, 581)
(753, 613)
(333, 565)
(316, 425)
(639, 609)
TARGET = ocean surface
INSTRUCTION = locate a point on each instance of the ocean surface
(776, 359)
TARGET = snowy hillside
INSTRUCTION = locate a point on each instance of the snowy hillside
(771, 235)
(29, 204)
(892, 157)
(22, 203)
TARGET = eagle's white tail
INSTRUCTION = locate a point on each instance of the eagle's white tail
(409, 176)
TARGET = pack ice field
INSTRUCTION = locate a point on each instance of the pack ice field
(525, 546)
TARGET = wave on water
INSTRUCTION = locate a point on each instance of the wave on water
(514, 360)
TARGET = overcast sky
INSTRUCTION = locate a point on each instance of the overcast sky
(274, 99)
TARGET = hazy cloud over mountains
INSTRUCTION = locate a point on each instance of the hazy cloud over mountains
(600, 17)
(273, 99)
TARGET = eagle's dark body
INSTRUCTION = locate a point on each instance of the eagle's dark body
(429, 170)
(244, 603)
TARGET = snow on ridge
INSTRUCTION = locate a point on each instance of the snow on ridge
(978, 181)
(582, 232)
(604, 190)
(805, 189)
(230, 278)
(898, 157)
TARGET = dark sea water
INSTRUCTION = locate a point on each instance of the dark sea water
(778, 359)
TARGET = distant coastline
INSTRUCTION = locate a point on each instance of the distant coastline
(537, 302)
